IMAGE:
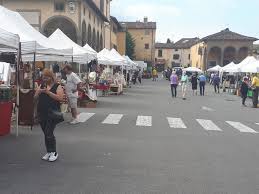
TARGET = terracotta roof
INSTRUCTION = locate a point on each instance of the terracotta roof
(164, 45)
(139, 25)
(228, 35)
(184, 43)
(92, 4)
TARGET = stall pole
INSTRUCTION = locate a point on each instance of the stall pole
(33, 83)
(18, 87)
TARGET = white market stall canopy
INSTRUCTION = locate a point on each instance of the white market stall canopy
(228, 67)
(130, 64)
(141, 64)
(90, 49)
(238, 68)
(80, 54)
(31, 40)
(252, 67)
(192, 69)
(215, 69)
(8, 41)
(121, 59)
(105, 57)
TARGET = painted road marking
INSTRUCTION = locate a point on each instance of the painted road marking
(176, 123)
(113, 119)
(83, 117)
(207, 109)
(208, 125)
(144, 121)
(242, 128)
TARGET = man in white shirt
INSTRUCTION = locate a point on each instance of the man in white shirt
(72, 86)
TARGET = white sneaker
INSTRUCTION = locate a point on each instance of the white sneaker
(53, 157)
(74, 122)
(46, 157)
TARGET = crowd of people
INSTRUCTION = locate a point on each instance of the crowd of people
(177, 77)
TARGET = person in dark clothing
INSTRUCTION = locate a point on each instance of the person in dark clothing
(216, 82)
(49, 97)
(194, 81)
(139, 76)
(243, 90)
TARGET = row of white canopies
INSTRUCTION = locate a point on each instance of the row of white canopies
(16, 32)
(249, 65)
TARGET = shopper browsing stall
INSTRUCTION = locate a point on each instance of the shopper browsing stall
(72, 86)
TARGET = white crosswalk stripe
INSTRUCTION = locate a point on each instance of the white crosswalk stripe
(113, 119)
(83, 117)
(208, 125)
(144, 121)
(242, 128)
(176, 123)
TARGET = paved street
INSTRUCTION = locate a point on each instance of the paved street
(142, 142)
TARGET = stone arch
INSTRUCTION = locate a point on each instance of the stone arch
(94, 39)
(64, 23)
(242, 53)
(98, 41)
(89, 35)
(214, 57)
(101, 42)
(84, 34)
(229, 55)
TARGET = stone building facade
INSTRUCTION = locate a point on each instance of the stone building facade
(144, 34)
(84, 21)
(221, 49)
(118, 36)
(174, 54)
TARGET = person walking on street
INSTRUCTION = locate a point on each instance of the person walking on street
(184, 82)
(174, 84)
(194, 81)
(255, 86)
(216, 82)
(202, 83)
(154, 74)
(211, 78)
(244, 90)
(72, 86)
(49, 95)
(139, 76)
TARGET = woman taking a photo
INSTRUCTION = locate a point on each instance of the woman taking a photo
(49, 95)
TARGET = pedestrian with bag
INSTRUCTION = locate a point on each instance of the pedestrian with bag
(49, 95)
(174, 84)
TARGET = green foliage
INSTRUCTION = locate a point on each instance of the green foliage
(130, 46)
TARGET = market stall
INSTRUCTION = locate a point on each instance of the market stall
(217, 68)
(8, 42)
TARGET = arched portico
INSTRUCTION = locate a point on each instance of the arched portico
(65, 24)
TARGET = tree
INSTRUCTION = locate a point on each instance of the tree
(168, 40)
(130, 46)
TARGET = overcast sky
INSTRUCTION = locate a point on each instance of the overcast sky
(191, 18)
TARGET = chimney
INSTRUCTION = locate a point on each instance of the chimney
(145, 19)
